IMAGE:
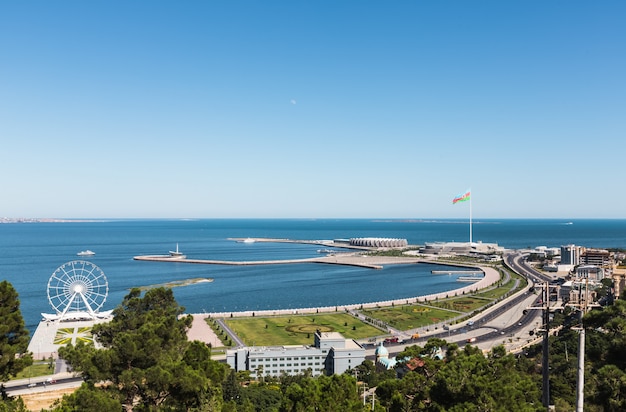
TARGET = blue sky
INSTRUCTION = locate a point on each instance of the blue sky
(207, 109)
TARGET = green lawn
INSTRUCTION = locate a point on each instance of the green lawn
(465, 304)
(498, 292)
(407, 317)
(36, 369)
(297, 329)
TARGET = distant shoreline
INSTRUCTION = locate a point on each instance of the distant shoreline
(39, 220)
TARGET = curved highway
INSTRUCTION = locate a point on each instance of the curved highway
(501, 321)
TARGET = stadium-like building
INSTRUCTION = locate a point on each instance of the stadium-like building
(378, 242)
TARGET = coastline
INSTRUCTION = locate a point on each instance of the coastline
(42, 340)
(490, 277)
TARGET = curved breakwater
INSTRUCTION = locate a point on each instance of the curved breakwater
(357, 259)
(491, 276)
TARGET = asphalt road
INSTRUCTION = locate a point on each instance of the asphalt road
(509, 322)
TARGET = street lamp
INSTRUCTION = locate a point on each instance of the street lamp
(364, 388)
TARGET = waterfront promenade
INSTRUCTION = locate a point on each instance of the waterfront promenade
(201, 331)
(491, 276)
(50, 335)
(354, 257)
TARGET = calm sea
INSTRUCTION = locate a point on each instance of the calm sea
(31, 252)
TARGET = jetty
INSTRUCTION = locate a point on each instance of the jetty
(333, 260)
(456, 272)
(469, 278)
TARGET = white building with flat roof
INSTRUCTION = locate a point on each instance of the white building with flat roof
(330, 354)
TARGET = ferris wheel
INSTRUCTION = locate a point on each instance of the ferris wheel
(77, 288)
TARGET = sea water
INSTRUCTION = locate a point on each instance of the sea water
(31, 252)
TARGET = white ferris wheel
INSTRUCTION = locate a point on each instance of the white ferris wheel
(77, 290)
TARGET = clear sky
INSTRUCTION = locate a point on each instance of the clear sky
(312, 109)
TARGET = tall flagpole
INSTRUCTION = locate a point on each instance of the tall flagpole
(470, 191)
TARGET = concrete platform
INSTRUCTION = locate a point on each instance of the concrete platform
(43, 345)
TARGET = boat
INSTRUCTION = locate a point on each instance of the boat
(248, 240)
(86, 253)
(177, 254)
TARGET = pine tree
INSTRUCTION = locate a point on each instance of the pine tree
(14, 336)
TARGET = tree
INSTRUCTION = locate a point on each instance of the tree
(231, 390)
(323, 393)
(14, 336)
(86, 398)
(473, 382)
(147, 358)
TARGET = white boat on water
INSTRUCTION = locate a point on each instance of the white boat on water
(248, 240)
(86, 253)
(177, 254)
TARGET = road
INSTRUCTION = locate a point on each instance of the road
(507, 322)
(54, 382)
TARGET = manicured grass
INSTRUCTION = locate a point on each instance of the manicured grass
(407, 317)
(466, 304)
(496, 293)
(507, 288)
(36, 369)
(297, 329)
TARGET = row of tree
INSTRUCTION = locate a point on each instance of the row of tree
(146, 363)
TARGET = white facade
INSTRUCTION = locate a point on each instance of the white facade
(378, 242)
(331, 353)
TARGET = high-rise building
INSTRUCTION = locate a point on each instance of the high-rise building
(570, 255)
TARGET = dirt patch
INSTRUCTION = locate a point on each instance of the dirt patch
(43, 400)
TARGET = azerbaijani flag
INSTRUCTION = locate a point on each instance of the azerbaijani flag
(465, 196)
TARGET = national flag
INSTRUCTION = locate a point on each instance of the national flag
(462, 197)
